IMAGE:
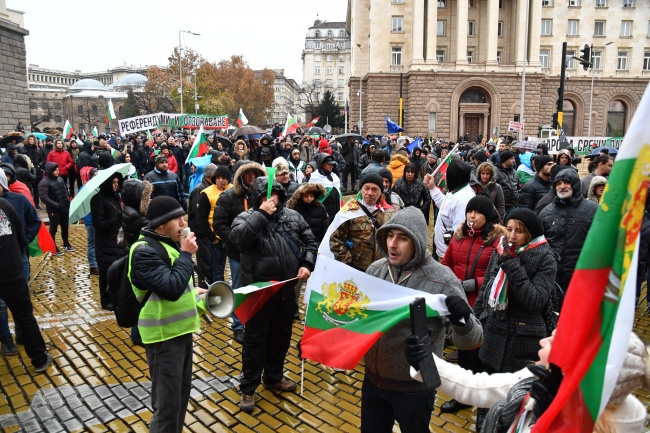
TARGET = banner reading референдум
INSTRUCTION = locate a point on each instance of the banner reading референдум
(189, 121)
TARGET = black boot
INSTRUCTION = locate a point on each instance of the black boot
(481, 413)
(453, 406)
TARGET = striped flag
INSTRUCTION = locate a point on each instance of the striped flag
(290, 126)
(443, 170)
(200, 146)
(67, 129)
(42, 243)
(242, 119)
(249, 299)
(313, 122)
(349, 310)
(110, 111)
(94, 132)
(594, 327)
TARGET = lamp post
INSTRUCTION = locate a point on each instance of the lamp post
(523, 76)
(360, 88)
(180, 62)
(591, 94)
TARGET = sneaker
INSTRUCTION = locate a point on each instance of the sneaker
(247, 403)
(69, 249)
(285, 385)
(47, 363)
(58, 253)
(238, 336)
(8, 347)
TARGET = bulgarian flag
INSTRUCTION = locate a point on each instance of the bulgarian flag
(349, 310)
(242, 120)
(290, 126)
(249, 299)
(114, 152)
(94, 132)
(110, 111)
(67, 129)
(200, 146)
(594, 327)
(313, 121)
(329, 185)
(42, 243)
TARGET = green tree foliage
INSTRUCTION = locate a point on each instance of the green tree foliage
(130, 107)
(330, 111)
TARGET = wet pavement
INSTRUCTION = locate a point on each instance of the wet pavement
(99, 381)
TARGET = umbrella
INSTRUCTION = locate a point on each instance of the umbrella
(80, 205)
(528, 145)
(223, 140)
(39, 135)
(612, 151)
(247, 130)
(7, 139)
(315, 130)
(344, 138)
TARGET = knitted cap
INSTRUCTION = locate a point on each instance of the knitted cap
(480, 156)
(323, 143)
(483, 205)
(161, 158)
(633, 372)
(540, 161)
(373, 178)
(162, 209)
(529, 219)
(505, 155)
(224, 171)
(385, 173)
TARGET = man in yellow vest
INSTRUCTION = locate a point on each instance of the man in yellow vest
(170, 314)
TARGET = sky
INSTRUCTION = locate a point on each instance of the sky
(93, 36)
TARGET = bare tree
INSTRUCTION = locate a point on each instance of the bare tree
(47, 112)
(311, 94)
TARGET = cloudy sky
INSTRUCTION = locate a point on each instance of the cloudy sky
(92, 36)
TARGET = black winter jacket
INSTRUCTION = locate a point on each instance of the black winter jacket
(533, 191)
(106, 209)
(168, 184)
(413, 194)
(135, 197)
(509, 181)
(36, 155)
(86, 157)
(12, 243)
(566, 223)
(265, 254)
(314, 213)
(23, 174)
(53, 192)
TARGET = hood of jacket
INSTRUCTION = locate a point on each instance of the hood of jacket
(20, 161)
(8, 168)
(137, 194)
(411, 221)
(26, 140)
(569, 175)
(107, 186)
(243, 152)
(596, 181)
(260, 189)
(398, 160)
(238, 182)
(317, 189)
(87, 146)
(50, 167)
(268, 138)
(458, 174)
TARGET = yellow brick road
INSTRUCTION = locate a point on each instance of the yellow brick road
(99, 381)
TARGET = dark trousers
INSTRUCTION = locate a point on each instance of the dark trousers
(62, 219)
(267, 339)
(219, 255)
(74, 177)
(39, 176)
(350, 169)
(16, 295)
(170, 368)
(380, 409)
(203, 262)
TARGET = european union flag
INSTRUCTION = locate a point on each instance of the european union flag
(393, 128)
(416, 143)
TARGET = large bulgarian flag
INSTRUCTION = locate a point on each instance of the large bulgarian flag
(348, 311)
(249, 299)
(199, 147)
(241, 119)
(67, 129)
(110, 111)
(594, 327)
(42, 243)
(290, 126)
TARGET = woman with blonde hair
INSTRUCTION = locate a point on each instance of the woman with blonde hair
(487, 185)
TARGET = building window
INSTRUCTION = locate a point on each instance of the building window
(628, 3)
(570, 64)
(80, 109)
(329, 33)
(599, 28)
(57, 105)
(596, 57)
(396, 56)
(341, 59)
(472, 4)
(574, 3)
(341, 33)
(329, 70)
(572, 28)
(341, 83)
(340, 96)
(470, 28)
(442, 27)
(621, 63)
(329, 45)
(397, 24)
(470, 56)
(601, 3)
(500, 29)
(646, 60)
(499, 56)
(317, 58)
(544, 58)
(316, 69)
(317, 45)
(317, 34)
(57, 118)
(397, 1)
(616, 119)
(547, 27)
(330, 57)
(626, 29)
(341, 70)
(501, 4)
(440, 56)
(432, 122)
(442, 3)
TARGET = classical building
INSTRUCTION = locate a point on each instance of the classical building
(460, 64)
(285, 99)
(326, 62)
(14, 101)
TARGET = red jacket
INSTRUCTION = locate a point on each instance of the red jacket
(172, 164)
(63, 159)
(462, 251)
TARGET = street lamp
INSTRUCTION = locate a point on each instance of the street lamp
(360, 88)
(591, 94)
(523, 77)
(180, 61)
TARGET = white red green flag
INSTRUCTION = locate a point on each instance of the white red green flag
(242, 120)
(67, 129)
(598, 311)
(94, 132)
(114, 153)
(329, 185)
(110, 111)
(349, 310)
(290, 126)
(199, 147)
(443, 170)
(313, 122)
(249, 299)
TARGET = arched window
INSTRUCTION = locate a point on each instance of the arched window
(329, 33)
(80, 109)
(93, 110)
(568, 117)
(616, 114)
(317, 33)
(472, 96)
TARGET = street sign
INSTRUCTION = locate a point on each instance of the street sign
(360, 123)
(327, 128)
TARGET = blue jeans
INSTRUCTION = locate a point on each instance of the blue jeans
(218, 265)
(235, 275)
(90, 248)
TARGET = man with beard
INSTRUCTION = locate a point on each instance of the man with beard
(63, 159)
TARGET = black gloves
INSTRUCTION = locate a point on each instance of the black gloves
(416, 350)
(509, 253)
(545, 388)
(458, 309)
(470, 286)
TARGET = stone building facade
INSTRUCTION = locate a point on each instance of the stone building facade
(14, 100)
(461, 64)
(285, 99)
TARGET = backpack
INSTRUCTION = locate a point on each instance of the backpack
(125, 304)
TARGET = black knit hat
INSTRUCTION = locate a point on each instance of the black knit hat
(529, 219)
(480, 156)
(385, 173)
(540, 161)
(505, 155)
(224, 171)
(160, 158)
(162, 209)
(458, 173)
(372, 178)
(483, 205)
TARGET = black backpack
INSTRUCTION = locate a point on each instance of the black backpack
(125, 304)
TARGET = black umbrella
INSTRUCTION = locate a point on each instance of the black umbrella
(315, 130)
(10, 137)
(247, 130)
(223, 140)
(344, 138)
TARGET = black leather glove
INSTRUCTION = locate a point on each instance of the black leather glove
(470, 286)
(458, 309)
(545, 388)
(509, 253)
(416, 350)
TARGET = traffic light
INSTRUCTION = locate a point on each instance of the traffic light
(585, 57)
(555, 124)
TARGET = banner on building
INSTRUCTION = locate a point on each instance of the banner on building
(139, 123)
(515, 126)
(583, 145)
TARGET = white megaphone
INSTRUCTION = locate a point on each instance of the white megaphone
(220, 299)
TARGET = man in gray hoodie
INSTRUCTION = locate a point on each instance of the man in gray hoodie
(388, 392)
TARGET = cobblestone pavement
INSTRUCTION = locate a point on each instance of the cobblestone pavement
(99, 381)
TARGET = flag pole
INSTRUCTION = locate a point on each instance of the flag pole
(448, 156)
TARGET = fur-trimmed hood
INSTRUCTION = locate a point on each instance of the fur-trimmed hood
(497, 230)
(237, 182)
(317, 189)
(241, 153)
(137, 194)
(398, 160)
(596, 181)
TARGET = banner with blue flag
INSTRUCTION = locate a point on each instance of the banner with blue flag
(417, 143)
(393, 128)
